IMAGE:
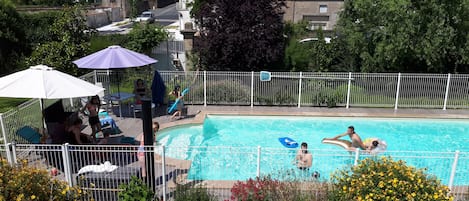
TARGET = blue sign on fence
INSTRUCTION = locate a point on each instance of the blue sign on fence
(265, 76)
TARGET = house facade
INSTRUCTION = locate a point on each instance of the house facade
(319, 14)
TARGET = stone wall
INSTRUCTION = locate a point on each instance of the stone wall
(101, 17)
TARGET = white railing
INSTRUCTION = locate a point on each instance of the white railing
(214, 168)
(393, 90)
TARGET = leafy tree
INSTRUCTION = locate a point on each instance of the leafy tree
(69, 41)
(12, 37)
(297, 54)
(316, 54)
(241, 35)
(144, 37)
(196, 5)
(404, 35)
(38, 26)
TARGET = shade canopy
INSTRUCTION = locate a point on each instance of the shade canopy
(45, 83)
(114, 57)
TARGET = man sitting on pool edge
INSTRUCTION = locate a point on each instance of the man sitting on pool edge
(354, 137)
(303, 159)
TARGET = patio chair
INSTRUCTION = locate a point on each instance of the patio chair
(29, 134)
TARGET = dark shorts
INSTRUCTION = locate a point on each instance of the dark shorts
(93, 120)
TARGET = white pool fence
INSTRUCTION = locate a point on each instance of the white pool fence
(168, 173)
(297, 89)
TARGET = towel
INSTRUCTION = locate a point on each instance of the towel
(106, 167)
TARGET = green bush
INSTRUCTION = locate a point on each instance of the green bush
(386, 179)
(135, 190)
(26, 183)
(226, 91)
(186, 193)
(323, 93)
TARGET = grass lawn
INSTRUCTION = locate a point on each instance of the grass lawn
(10, 103)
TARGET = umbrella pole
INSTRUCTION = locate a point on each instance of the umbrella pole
(43, 120)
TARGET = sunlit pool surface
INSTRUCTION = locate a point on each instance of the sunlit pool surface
(212, 161)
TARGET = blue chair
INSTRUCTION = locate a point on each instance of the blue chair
(29, 134)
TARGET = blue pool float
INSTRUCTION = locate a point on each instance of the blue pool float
(173, 107)
(288, 142)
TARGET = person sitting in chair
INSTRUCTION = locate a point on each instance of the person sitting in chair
(74, 135)
(140, 91)
(176, 93)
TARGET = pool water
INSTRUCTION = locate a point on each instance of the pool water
(213, 162)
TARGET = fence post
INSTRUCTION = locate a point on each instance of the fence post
(8, 150)
(2, 126)
(252, 88)
(299, 90)
(453, 169)
(258, 173)
(13, 153)
(447, 91)
(163, 170)
(205, 88)
(397, 91)
(357, 156)
(66, 161)
(95, 77)
(348, 89)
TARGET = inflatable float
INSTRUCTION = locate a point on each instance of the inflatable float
(342, 143)
(174, 105)
(381, 146)
(288, 142)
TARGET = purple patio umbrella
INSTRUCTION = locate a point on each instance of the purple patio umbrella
(114, 57)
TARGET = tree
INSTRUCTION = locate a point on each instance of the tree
(241, 35)
(404, 35)
(315, 54)
(38, 26)
(69, 41)
(144, 37)
(12, 37)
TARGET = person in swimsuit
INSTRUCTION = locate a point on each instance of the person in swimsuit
(303, 159)
(93, 119)
(141, 148)
(74, 135)
(140, 91)
(176, 93)
(354, 137)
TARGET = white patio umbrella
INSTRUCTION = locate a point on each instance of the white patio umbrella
(43, 82)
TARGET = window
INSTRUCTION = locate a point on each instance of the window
(322, 8)
(316, 26)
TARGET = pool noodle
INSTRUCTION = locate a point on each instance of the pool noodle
(174, 105)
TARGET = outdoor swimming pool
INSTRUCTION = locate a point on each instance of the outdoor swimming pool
(205, 145)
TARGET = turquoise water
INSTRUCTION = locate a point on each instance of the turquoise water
(212, 160)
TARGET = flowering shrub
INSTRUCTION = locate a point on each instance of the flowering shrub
(386, 179)
(268, 189)
(26, 183)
